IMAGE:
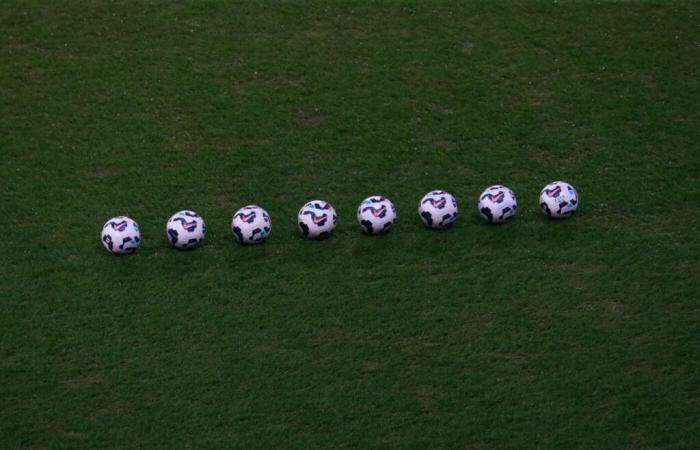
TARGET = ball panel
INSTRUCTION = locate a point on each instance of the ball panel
(251, 225)
(376, 215)
(120, 235)
(558, 200)
(438, 209)
(497, 204)
(317, 219)
(185, 229)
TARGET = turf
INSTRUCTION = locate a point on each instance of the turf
(535, 334)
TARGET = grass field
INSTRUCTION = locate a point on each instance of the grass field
(581, 334)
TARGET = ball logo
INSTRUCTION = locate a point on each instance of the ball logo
(376, 212)
(497, 198)
(187, 226)
(119, 226)
(247, 218)
(317, 220)
(439, 204)
(553, 192)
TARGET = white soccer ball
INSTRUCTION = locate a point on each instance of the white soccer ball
(497, 204)
(558, 200)
(185, 229)
(121, 235)
(317, 219)
(438, 209)
(251, 225)
(376, 214)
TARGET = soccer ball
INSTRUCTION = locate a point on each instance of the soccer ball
(558, 200)
(438, 209)
(121, 235)
(185, 229)
(317, 219)
(251, 225)
(497, 204)
(376, 214)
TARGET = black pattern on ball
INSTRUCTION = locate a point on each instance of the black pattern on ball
(545, 208)
(427, 217)
(173, 235)
(108, 240)
(505, 211)
(487, 212)
(126, 239)
(238, 233)
(561, 206)
(381, 212)
(446, 218)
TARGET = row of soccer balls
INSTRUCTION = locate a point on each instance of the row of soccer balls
(317, 218)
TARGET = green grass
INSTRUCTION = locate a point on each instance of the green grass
(536, 334)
